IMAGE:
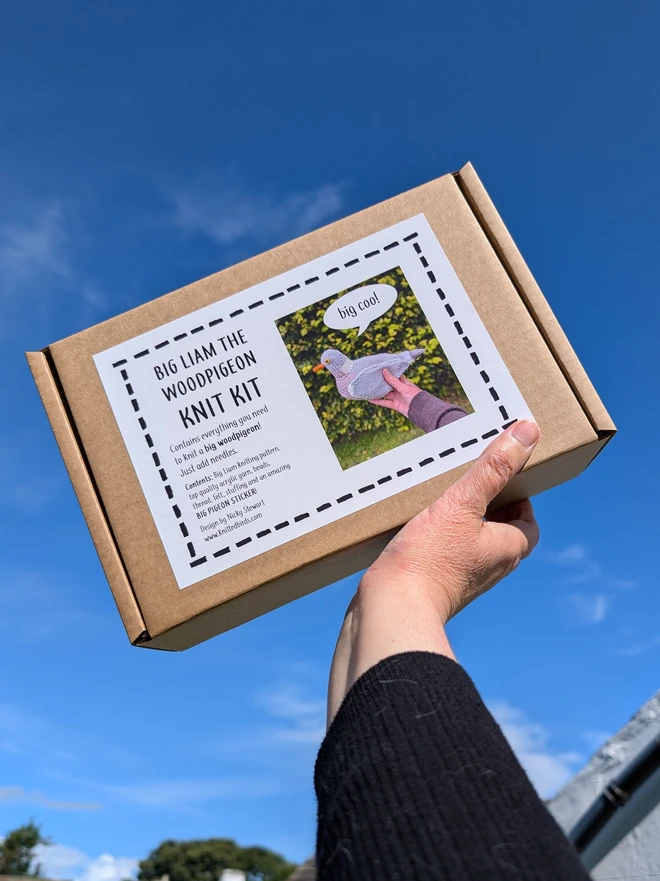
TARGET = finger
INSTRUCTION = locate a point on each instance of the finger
(498, 463)
(530, 529)
(384, 402)
(519, 537)
(517, 511)
(393, 381)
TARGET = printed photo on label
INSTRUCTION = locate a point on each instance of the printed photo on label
(373, 368)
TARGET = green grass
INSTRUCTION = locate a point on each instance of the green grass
(372, 443)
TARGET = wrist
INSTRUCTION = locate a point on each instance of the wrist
(410, 395)
(388, 616)
(405, 583)
(400, 614)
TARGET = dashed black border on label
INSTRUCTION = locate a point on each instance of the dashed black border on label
(124, 364)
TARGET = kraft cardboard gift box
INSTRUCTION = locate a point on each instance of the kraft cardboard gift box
(220, 440)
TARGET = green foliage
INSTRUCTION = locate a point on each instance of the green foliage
(372, 443)
(17, 851)
(205, 860)
(404, 326)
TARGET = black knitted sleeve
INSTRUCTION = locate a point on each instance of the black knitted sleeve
(415, 780)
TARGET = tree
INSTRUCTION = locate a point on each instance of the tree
(17, 851)
(205, 861)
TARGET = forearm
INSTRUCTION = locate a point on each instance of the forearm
(384, 619)
(416, 780)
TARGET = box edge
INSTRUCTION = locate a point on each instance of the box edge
(159, 641)
(296, 584)
(198, 629)
(513, 262)
(52, 398)
(544, 475)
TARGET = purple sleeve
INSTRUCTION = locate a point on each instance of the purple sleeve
(429, 412)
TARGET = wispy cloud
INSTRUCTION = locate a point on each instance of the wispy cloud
(36, 260)
(182, 795)
(547, 769)
(36, 246)
(588, 608)
(568, 556)
(303, 716)
(286, 733)
(589, 571)
(55, 750)
(187, 793)
(226, 211)
(59, 861)
(34, 606)
(583, 568)
(620, 583)
(639, 648)
(18, 795)
(580, 568)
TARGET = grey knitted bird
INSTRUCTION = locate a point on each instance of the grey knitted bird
(362, 379)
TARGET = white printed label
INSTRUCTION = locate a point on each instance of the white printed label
(306, 398)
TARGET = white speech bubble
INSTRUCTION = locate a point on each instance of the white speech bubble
(360, 307)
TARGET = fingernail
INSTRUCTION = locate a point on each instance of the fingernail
(526, 433)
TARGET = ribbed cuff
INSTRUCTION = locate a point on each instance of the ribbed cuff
(393, 681)
(430, 413)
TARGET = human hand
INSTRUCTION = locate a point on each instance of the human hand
(403, 391)
(453, 551)
(444, 558)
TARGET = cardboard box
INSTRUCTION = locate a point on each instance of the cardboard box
(210, 460)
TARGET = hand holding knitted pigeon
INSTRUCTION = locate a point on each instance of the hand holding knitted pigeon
(362, 379)
(401, 395)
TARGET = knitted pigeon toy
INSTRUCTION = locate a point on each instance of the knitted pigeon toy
(362, 379)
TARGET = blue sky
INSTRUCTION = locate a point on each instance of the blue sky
(147, 145)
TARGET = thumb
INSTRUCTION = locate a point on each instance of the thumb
(393, 381)
(499, 462)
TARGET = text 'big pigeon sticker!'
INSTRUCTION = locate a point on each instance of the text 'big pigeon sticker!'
(360, 307)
